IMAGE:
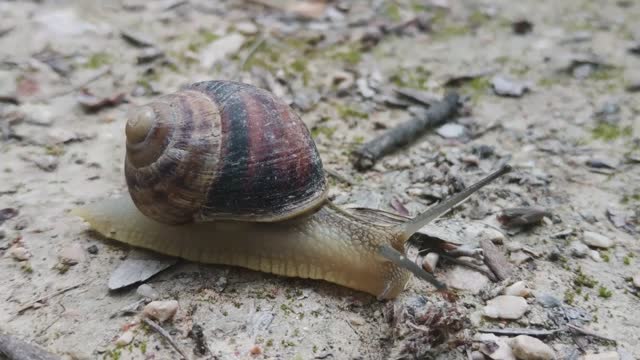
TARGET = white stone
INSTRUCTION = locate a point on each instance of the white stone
(502, 352)
(147, 291)
(451, 131)
(220, 49)
(596, 240)
(595, 255)
(71, 254)
(518, 289)
(578, 249)
(246, 28)
(126, 338)
(636, 280)
(19, 253)
(465, 279)
(529, 348)
(161, 310)
(609, 355)
(430, 261)
(506, 307)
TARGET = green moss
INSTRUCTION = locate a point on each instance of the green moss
(98, 60)
(324, 130)
(478, 18)
(626, 199)
(287, 343)
(416, 78)
(314, 349)
(113, 354)
(346, 112)
(626, 260)
(143, 347)
(286, 309)
(569, 296)
(351, 56)
(605, 256)
(269, 343)
(603, 292)
(607, 73)
(201, 39)
(581, 279)
(392, 11)
(608, 132)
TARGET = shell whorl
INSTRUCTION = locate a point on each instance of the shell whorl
(221, 150)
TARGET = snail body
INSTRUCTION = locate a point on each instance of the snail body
(225, 173)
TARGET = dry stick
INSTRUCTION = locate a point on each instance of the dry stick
(250, 54)
(367, 155)
(486, 273)
(164, 334)
(47, 297)
(73, 88)
(523, 331)
(495, 260)
(584, 331)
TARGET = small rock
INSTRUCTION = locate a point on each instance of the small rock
(594, 255)
(93, 249)
(161, 310)
(148, 55)
(506, 307)
(356, 320)
(596, 240)
(494, 347)
(518, 289)
(504, 86)
(430, 261)
(529, 348)
(364, 89)
(246, 28)
(126, 338)
(522, 27)
(147, 291)
(255, 350)
(466, 279)
(519, 257)
(608, 113)
(19, 253)
(548, 301)
(636, 280)
(71, 254)
(452, 131)
(477, 355)
(609, 355)
(578, 249)
(136, 38)
(220, 49)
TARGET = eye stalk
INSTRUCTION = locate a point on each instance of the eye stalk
(140, 122)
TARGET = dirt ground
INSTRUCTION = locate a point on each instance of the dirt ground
(68, 77)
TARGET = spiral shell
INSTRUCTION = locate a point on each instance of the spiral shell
(221, 150)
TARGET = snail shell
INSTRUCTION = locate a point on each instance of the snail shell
(221, 150)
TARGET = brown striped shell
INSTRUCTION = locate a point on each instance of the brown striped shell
(221, 150)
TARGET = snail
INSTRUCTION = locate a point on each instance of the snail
(226, 173)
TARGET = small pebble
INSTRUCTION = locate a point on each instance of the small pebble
(636, 280)
(506, 307)
(596, 240)
(93, 249)
(495, 347)
(147, 291)
(466, 279)
(19, 253)
(356, 320)
(518, 289)
(255, 350)
(529, 348)
(430, 261)
(578, 249)
(594, 255)
(71, 254)
(246, 28)
(609, 355)
(477, 355)
(161, 310)
(126, 338)
(451, 131)
(548, 301)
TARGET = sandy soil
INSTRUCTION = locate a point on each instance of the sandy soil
(59, 156)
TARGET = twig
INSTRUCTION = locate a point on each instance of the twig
(495, 260)
(486, 273)
(63, 92)
(250, 54)
(47, 297)
(165, 335)
(522, 331)
(584, 331)
(13, 348)
(339, 176)
(439, 113)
